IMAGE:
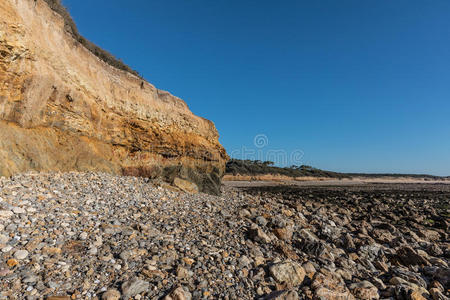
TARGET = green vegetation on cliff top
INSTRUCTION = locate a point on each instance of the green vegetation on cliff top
(256, 167)
(71, 28)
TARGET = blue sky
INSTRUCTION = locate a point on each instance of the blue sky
(356, 86)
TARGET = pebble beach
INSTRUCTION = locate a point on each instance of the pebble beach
(101, 236)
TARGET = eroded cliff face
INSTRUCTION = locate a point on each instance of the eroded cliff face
(63, 109)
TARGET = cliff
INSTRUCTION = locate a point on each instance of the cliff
(62, 108)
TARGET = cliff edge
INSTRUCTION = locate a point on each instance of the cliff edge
(62, 108)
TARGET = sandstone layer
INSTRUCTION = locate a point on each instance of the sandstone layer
(63, 109)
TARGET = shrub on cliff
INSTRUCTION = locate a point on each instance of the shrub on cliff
(71, 28)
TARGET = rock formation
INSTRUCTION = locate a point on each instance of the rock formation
(62, 108)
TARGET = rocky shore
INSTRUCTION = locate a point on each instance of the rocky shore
(100, 236)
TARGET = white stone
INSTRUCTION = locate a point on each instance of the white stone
(31, 209)
(6, 213)
(7, 248)
(98, 241)
(18, 210)
(93, 251)
(3, 239)
(20, 254)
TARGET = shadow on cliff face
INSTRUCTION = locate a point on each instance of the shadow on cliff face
(207, 182)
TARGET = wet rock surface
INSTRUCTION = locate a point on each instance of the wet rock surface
(99, 236)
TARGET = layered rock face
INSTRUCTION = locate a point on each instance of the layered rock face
(63, 109)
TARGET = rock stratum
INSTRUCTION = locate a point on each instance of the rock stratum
(62, 109)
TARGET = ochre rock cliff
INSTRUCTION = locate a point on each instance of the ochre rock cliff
(63, 109)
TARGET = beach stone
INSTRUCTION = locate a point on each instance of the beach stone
(281, 295)
(4, 272)
(312, 245)
(417, 295)
(258, 235)
(83, 236)
(188, 261)
(93, 251)
(329, 285)
(437, 294)
(18, 210)
(244, 261)
(6, 214)
(3, 239)
(430, 235)
(309, 268)
(408, 256)
(133, 287)
(51, 250)
(7, 248)
(261, 221)
(20, 254)
(182, 272)
(284, 233)
(364, 290)
(410, 291)
(442, 275)
(290, 273)
(111, 294)
(30, 279)
(244, 213)
(178, 293)
(12, 262)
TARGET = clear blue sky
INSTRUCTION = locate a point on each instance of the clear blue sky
(360, 86)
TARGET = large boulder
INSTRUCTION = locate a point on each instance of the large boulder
(330, 285)
(289, 273)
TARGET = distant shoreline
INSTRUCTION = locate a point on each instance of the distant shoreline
(273, 180)
(254, 170)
